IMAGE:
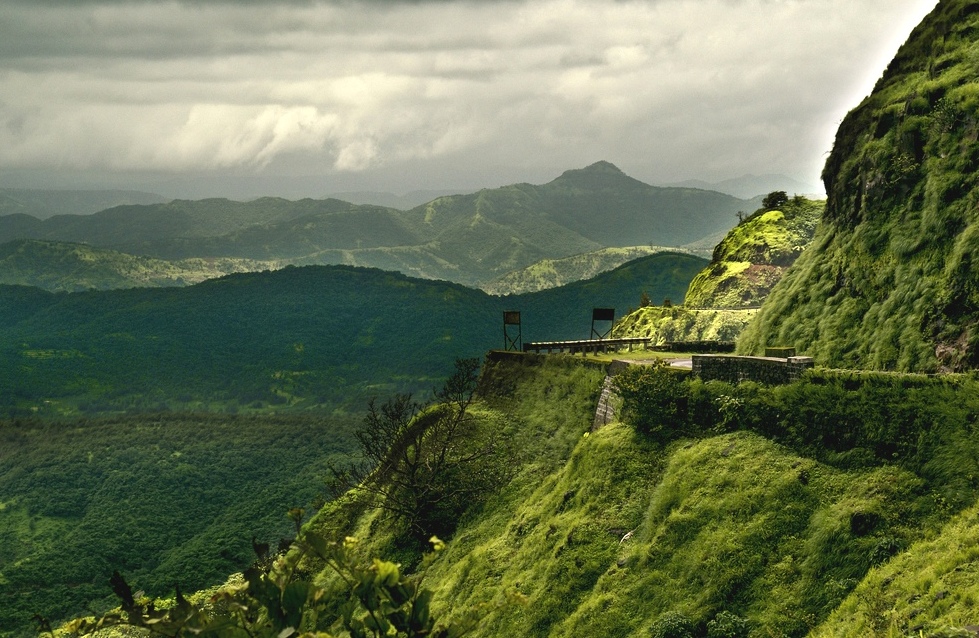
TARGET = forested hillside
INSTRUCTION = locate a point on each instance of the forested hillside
(294, 338)
(163, 498)
(69, 267)
(889, 282)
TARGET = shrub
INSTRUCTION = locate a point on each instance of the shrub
(672, 624)
(727, 625)
(654, 398)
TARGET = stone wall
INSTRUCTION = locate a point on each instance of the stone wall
(732, 369)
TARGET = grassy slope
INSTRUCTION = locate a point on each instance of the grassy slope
(667, 325)
(934, 586)
(754, 256)
(725, 522)
(889, 282)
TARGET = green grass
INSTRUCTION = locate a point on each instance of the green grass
(889, 282)
(677, 323)
(754, 255)
(604, 532)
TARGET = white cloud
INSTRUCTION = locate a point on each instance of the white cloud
(667, 89)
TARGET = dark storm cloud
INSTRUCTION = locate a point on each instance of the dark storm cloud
(670, 89)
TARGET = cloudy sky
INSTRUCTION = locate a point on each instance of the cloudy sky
(311, 97)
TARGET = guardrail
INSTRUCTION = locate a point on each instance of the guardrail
(584, 346)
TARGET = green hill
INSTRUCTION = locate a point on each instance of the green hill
(296, 337)
(753, 256)
(552, 273)
(469, 239)
(172, 473)
(889, 281)
(787, 511)
(62, 266)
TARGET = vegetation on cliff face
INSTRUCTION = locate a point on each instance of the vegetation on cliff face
(754, 255)
(890, 282)
(771, 508)
(677, 323)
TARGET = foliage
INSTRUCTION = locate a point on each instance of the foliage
(755, 254)
(165, 498)
(727, 625)
(775, 199)
(654, 397)
(278, 600)
(426, 468)
(672, 624)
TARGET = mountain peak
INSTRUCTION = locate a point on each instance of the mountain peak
(598, 167)
(603, 167)
(599, 170)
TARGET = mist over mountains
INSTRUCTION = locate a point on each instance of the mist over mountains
(470, 239)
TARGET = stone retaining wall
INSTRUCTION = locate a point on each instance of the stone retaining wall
(732, 369)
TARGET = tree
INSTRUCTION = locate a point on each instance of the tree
(425, 464)
(775, 199)
(277, 600)
(644, 299)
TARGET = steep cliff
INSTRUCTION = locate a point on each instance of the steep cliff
(888, 282)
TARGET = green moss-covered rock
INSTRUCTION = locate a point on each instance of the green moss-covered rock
(752, 258)
(889, 282)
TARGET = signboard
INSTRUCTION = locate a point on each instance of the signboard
(511, 317)
(603, 314)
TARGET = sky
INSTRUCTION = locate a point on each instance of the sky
(305, 98)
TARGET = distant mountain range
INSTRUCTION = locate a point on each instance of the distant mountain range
(752, 186)
(470, 239)
(48, 203)
(391, 200)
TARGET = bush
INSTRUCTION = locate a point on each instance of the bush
(727, 625)
(654, 398)
(672, 624)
